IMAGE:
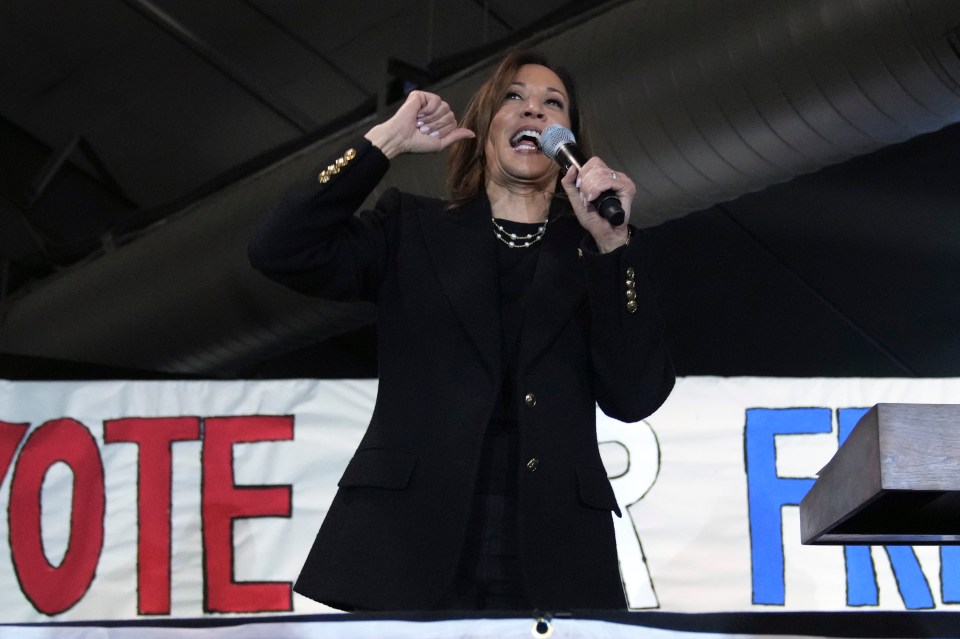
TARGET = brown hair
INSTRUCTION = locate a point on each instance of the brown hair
(467, 162)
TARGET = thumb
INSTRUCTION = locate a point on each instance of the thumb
(456, 135)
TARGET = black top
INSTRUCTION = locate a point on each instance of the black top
(515, 267)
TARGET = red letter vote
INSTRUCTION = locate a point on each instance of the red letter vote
(54, 589)
(10, 436)
(224, 501)
(154, 438)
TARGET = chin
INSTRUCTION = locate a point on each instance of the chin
(536, 167)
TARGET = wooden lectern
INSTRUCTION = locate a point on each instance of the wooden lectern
(895, 480)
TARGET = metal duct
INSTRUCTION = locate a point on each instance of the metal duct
(700, 101)
(706, 100)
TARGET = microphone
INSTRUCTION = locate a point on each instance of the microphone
(560, 145)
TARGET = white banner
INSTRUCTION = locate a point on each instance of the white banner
(380, 629)
(180, 500)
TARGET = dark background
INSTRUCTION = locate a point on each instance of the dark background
(122, 119)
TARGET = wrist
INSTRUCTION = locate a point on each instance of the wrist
(381, 137)
(614, 241)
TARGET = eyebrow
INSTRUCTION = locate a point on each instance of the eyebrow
(524, 84)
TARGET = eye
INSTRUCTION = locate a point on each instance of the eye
(513, 95)
(555, 102)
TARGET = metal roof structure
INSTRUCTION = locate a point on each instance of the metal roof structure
(794, 163)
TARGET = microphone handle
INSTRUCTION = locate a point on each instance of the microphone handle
(607, 203)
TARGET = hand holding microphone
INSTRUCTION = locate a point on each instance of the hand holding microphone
(559, 144)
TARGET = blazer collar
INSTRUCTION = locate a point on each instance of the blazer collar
(462, 247)
(557, 291)
(460, 243)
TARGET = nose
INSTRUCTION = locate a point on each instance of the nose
(534, 110)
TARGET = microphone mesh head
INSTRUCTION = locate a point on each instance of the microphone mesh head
(553, 137)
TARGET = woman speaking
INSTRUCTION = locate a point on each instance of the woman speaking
(505, 313)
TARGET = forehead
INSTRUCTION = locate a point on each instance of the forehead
(535, 75)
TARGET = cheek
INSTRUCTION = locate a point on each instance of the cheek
(490, 159)
(489, 151)
(496, 125)
(495, 135)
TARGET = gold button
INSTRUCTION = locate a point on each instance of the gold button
(579, 252)
(324, 177)
(533, 463)
(630, 283)
(350, 154)
(530, 399)
(341, 162)
(630, 272)
(632, 306)
(631, 294)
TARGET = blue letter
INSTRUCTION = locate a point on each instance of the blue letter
(950, 574)
(767, 493)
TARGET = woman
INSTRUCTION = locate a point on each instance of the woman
(502, 320)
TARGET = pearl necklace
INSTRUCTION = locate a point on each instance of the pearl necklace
(513, 240)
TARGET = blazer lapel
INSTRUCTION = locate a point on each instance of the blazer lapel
(460, 243)
(558, 289)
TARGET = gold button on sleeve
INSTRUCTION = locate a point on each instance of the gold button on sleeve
(530, 399)
(338, 164)
(632, 306)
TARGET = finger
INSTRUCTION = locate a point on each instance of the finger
(447, 122)
(570, 182)
(439, 129)
(593, 175)
(439, 124)
(601, 178)
(416, 104)
(431, 106)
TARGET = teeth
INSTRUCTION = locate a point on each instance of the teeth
(531, 134)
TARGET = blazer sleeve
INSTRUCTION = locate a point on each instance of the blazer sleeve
(313, 243)
(632, 367)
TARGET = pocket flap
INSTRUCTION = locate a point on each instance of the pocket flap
(595, 489)
(379, 468)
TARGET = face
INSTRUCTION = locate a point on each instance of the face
(534, 100)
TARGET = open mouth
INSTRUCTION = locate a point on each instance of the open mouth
(526, 139)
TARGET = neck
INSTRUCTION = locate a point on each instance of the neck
(526, 205)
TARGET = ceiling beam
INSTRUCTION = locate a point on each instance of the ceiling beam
(221, 63)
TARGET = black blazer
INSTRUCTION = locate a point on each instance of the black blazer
(394, 532)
